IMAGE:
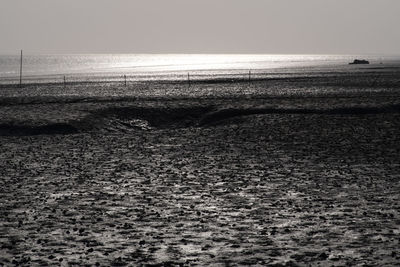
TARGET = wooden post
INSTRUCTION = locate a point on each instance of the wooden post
(64, 82)
(125, 79)
(249, 75)
(20, 72)
(189, 78)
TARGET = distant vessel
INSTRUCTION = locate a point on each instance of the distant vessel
(359, 61)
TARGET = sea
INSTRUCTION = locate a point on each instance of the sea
(170, 67)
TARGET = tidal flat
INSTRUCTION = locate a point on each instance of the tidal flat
(271, 173)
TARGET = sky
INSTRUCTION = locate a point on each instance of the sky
(202, 26)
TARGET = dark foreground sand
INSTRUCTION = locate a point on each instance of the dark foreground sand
(278, 181)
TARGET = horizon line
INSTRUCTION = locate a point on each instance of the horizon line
(26, 52)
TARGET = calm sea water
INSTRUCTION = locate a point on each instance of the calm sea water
(168, 66)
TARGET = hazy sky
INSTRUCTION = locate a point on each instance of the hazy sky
(202, 26)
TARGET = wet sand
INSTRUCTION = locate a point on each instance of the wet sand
(277, 179)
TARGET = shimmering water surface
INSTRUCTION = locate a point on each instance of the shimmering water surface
(46, 68)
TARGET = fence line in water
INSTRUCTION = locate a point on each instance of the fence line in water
(126, 79)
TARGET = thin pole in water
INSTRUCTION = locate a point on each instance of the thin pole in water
(64, 81)
(20, 72)
(189, 78)
(249, 75)
(125, 79)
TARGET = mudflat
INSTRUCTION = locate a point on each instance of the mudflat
(269, 173)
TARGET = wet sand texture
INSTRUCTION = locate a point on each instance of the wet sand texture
(268, 181)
